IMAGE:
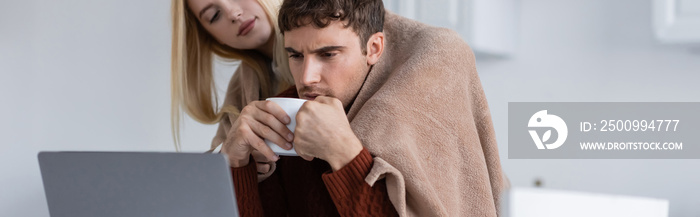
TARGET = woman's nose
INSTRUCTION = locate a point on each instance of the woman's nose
(235, 12)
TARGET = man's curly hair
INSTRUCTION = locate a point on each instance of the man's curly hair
(365, 17)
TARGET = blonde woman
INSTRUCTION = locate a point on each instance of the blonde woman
(238, 30)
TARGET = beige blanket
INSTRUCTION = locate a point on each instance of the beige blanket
(423, 114)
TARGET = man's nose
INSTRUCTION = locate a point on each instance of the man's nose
(311, 73)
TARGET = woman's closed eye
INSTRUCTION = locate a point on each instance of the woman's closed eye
(215, 17)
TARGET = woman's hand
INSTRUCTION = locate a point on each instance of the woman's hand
(259, 120)
(262, 163)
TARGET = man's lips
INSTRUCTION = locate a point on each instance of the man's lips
(310, 96)
(246, 27)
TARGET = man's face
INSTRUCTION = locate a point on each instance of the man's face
(326, 62)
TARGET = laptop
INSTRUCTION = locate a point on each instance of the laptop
(111, 184)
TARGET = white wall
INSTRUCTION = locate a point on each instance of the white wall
(94, 75)
(82, 75)
(595, 51)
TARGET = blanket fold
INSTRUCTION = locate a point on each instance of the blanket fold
(423, 113)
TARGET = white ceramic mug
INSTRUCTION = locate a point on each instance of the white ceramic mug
(291, 106)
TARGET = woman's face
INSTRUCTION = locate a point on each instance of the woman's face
(241, 24)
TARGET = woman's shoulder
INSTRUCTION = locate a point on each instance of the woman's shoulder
(245, 71)
(243, 87)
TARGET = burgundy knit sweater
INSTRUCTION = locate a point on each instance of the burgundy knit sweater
(310, 188)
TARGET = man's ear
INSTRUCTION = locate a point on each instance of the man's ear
(375, 47)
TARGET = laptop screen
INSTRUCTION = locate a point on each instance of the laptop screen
(81, 184)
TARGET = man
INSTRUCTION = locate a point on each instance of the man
(396, 115)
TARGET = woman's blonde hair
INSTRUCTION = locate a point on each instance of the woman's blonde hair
(193, 49)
